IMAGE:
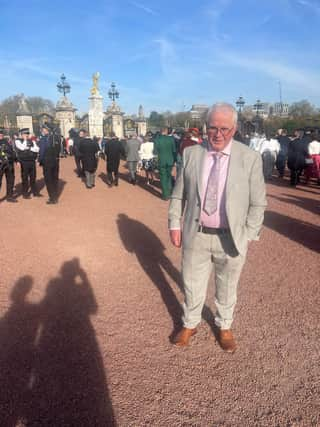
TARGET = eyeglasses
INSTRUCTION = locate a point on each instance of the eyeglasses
(223, 131)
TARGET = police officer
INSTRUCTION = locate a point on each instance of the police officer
(7, 158)
(49, 160)
(27, 151)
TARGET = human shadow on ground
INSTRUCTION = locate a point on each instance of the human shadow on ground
(141, 182)
(311, 205)
(139, 239)
(51, 368)
(302, 232)
(40, 185)
(104, 178)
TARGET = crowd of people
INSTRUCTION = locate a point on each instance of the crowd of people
(300, 152)
(155, 154)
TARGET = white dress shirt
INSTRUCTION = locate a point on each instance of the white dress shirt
(314, 148)
(269, 145)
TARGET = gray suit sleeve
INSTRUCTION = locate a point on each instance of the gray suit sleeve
(177, 202)
(258, 201)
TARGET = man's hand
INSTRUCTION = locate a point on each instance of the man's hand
(175, 237)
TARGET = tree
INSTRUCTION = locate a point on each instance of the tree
(302, 109)
(156, 120)
(10, 105)
(40, 105)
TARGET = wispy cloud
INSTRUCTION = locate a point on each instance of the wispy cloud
(144, 8)
(35, 67)
(315, 7)
(216, 10)
(290, 74)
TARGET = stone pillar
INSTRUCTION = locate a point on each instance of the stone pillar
(114, 111)
(25, 122)
(24, 115)
(141, 122)
(65, 114)
(117, 124)
(96, 116)
(142, 127)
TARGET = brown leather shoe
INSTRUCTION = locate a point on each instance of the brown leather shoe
(182, 338)
(226, 340)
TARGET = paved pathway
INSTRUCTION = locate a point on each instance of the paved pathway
(89, 294)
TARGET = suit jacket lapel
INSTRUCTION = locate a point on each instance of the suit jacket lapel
(200, 165)
(232, 170)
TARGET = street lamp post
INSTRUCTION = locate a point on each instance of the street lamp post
(258, 107)
(63, 86)
(113, 93)
(240, 104)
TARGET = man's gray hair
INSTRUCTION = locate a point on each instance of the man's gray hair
(223, 106)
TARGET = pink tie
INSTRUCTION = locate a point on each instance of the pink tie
(211, 198)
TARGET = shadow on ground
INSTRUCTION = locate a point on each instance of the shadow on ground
(302, 232)
(142, 183)
(137, 238)
(51, 368)
(311, 205)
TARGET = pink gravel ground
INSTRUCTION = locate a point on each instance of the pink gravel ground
(96, 352)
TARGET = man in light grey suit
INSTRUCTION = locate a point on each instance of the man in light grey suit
(132, 153)
(217, 207)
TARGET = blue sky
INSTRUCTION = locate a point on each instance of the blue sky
(164, 55)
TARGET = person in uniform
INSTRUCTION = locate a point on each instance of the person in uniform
(49, 160)
(89, 149)
(27, 152)
(165, 148)
(7, 159)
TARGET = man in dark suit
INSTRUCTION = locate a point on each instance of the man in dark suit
(76, 152)
(284, 142)
(297, 154)
(113, 150)
(7, 158)
(88, 150)
(49, 160)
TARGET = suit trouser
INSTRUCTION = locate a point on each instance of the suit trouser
(132, 169)
(211, 252)
(166, 180)
(295, 176)
(51, 179)
(90, 178)
(113, 173)
(28, 173)
(79, 165)
(268, 159)
(9, 173)
(281, 163)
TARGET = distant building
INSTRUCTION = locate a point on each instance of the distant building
(197, 111)
(280, 109)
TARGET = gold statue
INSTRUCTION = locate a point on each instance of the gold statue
(95, 80)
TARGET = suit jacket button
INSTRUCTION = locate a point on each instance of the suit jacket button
(196, 220)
